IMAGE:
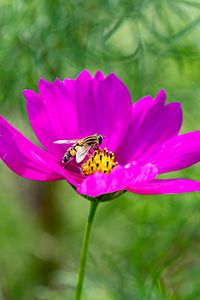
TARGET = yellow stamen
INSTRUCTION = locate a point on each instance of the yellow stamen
(100, 161)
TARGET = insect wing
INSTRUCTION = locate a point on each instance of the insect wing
(82, 152)
(60, 142)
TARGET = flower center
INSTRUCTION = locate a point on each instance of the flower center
(100, 161)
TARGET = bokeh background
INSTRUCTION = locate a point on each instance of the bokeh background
(142, 247)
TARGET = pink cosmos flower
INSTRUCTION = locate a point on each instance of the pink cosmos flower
(143, 136)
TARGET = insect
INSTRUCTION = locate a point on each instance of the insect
(80, 148)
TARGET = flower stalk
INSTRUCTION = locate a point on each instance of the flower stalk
(84, 251)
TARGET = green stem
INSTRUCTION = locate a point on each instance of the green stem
(84, 251)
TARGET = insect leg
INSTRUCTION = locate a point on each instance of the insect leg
(66, 158)
(96, 147)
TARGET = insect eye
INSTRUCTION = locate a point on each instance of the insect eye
(100, 139)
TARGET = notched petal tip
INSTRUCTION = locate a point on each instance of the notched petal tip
(177, 105)
(57, 82)
(30, 96)
(113, 76)
(161, 96)
(84, 75)
(99, 75)
(44, 86)
(115, 83)
(44, 81)
(176, 109)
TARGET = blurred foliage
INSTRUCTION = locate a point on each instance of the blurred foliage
(143, 248)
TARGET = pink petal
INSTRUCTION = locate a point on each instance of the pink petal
(178, 153)
(77, 108)
(152, 124)
(99, 75)
(99, 183)
(26, 159)
(52, 115)
(103, 106)
(166, 186)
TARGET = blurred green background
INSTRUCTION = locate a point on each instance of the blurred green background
(142, 248)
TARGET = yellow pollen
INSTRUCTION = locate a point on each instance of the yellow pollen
(100, 161)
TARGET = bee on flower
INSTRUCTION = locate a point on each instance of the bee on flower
(142, 141)
(80, 147)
